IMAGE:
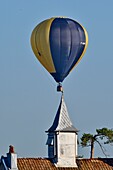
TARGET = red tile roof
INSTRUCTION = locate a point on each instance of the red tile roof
(95, 164)
(34, 164)
(83, 164)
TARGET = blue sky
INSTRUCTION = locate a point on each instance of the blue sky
(28, 97)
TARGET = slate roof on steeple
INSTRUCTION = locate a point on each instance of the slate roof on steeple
(62, 121)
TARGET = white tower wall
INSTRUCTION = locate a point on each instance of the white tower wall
(66, 149)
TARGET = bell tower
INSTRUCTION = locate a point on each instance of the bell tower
(62, 139)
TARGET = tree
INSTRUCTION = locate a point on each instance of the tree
(88, 139)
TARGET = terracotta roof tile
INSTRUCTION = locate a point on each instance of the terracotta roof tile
(34, 164)
(83, 164)
(95, 164)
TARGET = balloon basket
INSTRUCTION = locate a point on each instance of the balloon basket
(59, 88)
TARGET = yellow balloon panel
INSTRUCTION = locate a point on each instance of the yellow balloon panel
(40, 44)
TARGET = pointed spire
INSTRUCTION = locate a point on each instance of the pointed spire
(62, 121)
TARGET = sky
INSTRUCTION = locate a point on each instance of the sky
(28, 96)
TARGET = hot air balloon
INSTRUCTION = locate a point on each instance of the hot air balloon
(59, 44)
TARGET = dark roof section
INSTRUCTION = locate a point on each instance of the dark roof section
(62, 121)
(83, 164)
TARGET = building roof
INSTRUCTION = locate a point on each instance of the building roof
(34, 164)
(83, 164)
(62, 121)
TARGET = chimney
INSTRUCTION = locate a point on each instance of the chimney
(12, 158)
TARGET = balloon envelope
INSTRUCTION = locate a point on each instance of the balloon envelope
(59, 44)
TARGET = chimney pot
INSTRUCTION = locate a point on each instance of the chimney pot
(11, 149)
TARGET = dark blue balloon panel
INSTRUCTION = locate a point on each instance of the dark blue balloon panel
(67, 43)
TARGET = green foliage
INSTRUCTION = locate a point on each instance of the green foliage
(86, 139)
(105, 134)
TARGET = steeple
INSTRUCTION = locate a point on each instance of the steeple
(62, 138)
(62, 121)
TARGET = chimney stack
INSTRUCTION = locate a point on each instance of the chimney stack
(12, 158)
